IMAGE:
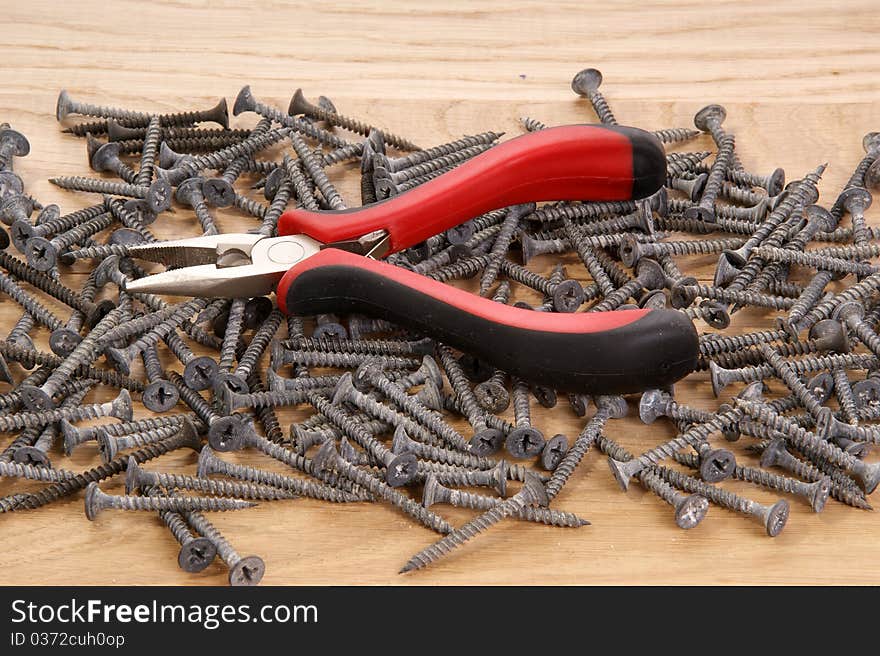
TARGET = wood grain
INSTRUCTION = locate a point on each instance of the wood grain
(798, 79)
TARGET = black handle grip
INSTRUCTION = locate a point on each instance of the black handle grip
(593, 353)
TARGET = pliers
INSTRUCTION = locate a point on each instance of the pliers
(326, 261)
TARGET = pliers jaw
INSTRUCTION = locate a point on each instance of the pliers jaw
(234, 265)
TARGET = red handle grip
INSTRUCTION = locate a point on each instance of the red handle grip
(595, 353)
(573, 162)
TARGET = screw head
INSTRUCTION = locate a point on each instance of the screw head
(715, 314)
(486, 442)
(298, 104)
(654, 300)
(93, 501)
(546, 396)
(776, 518)
(10, 184)
(554, 451)
(189, 191)
(190, 434)
(62, 341)
(460, 234)
(103, 158)
(831, 336)
(160, 396)
(629, 250)
(159, 196)
(247, 571)
(866, 392)
(256, 311)
(691, 511)
(35, 399)
(820, 491)
(401, 470)
(534, 491)
(717, 465)
(650, 274)
(869, 477)
(218, 192)
(326, 457)
(524, 442)
(432, 492)
(122, 407)
(679, 296)
(119, 358)
(586, 81)
(871, 141)
(244, 101)
(710, 114)
(568, 296)
(41, 254)
(856, 199)
(651, 405)
(699, 213)
(63, 105)
(207, 462)
(330, 330)
(771, 455)
(101, 310)
(848, 310)
(125, 237)
(229, 433)
(21, 232)
(872, 175)
(196, 555)
(822, 217)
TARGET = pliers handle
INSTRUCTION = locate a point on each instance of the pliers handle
(594, 353)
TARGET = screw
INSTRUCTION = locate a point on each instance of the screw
(196, 553)
(524, 441)
(12, 144)
(532, 493)
(586, 84)
(852, 314)
(299, 105)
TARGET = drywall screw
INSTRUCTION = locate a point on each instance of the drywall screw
(692, 187)
(189, 192)
(554, 451)
(679, 163)
(231, 335)
(791, 379)
(813, 446)
(828, 426)
(773, 518)
(502, 244)
(12, 144)
(137, 478)
(420, 173)
(845, 396)
(109, 446)
(631, 250)
(377, 347)
(299, 105)
(485, 440)
(586, 84)
(394, 165)
(341, 360)
(532, 493)
(196, 552)
(709, 119)
(301, 186)
(328, 458)
(402, 443)
(260, 340)
(436, 492)
(247, 570)
(65, 106)
(525, 440)
(96, 501)
(588, 257)
(608, 407)
(825, 263)
(209, 463)
(741, 195)
(813, 291)
(157, 195)
(129, 219)
(314, 168)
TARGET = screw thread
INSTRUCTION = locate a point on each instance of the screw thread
(576, 453)
(175, 504)
(99, 186)
(676, 135)
(201, 524)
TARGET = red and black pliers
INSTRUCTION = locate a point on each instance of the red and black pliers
(318, 264)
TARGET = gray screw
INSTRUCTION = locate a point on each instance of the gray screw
(96, 501)
(196, 552)
(586, 84)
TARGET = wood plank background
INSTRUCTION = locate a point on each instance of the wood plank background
(799, 80)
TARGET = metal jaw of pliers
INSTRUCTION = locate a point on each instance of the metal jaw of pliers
(235, 265)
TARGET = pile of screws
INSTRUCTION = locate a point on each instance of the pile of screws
(385, 399)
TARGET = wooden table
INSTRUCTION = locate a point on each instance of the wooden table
(798, 79)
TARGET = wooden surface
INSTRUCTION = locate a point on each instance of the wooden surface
(799, 80)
